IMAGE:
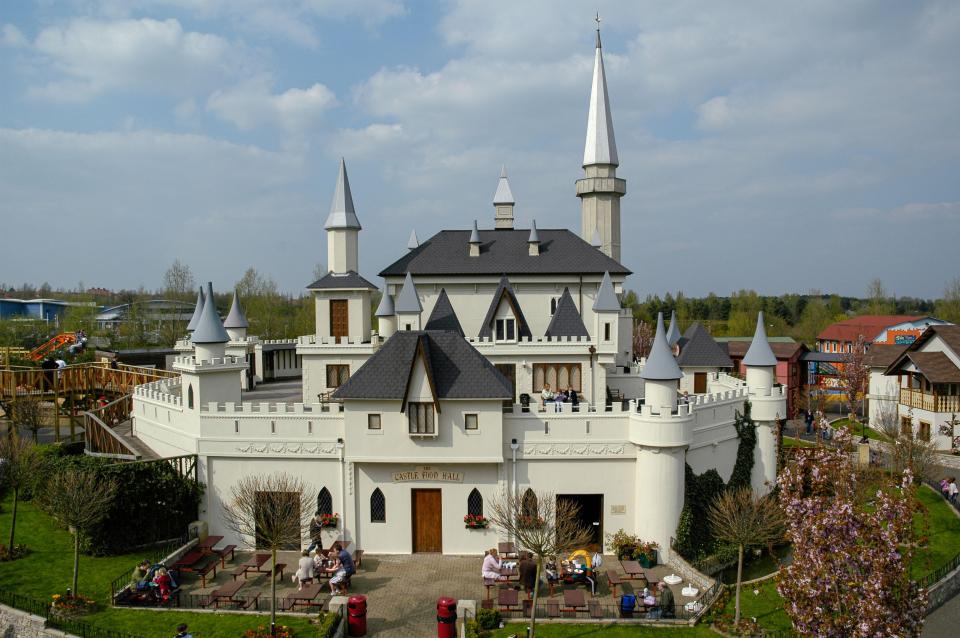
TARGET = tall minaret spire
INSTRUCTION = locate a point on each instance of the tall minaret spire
(600, 190)
(342, 227)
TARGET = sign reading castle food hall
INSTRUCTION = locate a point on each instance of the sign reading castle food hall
(427, 473)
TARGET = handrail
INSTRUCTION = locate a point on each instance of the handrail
(102, 440)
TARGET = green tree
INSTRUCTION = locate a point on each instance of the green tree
(20, 464)
(948, 308)
(878, 300)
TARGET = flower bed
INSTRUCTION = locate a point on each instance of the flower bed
(71, 605)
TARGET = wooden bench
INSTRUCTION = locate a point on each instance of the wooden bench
(239, 571)
(613, 579)
(287, 604)
(222, 553)
(596, 611)
(250, 601)
(278, 569)
(202, 572)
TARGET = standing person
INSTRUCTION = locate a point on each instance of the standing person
(182, 631)
(808, 417)
(952, 488)
(527, 571)
(304, 570)
(316, 533)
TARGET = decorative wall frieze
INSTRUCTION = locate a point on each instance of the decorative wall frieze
(293, 448)
(533, 450)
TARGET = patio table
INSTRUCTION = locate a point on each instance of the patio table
(187, 562)
(573, 600)
(633, 569)
(206, 545)
(307, 595)
(253, 565)
(226, 591)
(508, 599)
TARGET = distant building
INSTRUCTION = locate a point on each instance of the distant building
(51, 310)
(890, 329)
(153, 311)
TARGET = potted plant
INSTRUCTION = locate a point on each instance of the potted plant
(475, 521)
(329, 520)
(645, 553)
(629, 547)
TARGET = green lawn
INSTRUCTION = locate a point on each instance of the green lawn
(856, 431)
(48, 569)
(603, 631)
(789, 441)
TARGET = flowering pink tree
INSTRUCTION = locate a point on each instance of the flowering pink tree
(850, 574)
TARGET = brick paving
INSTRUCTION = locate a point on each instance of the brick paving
(402, 590)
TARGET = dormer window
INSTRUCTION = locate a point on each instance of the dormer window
(506, 330)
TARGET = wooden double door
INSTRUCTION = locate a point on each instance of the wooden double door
(339, 319)
(427, 515)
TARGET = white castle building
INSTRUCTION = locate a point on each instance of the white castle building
(406, 427)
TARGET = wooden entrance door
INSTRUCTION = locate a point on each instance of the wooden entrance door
(509, 370)
(699, 382)
(339, 320)
(427, 521)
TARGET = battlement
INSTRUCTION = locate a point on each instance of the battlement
(275, 342)
(161, 392)
(341, 342)
(264, 407)
(216, 362)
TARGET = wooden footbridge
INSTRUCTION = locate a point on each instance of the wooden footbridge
(90, 398)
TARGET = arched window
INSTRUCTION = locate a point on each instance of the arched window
(378, 507)
(190, 396)
(553, 306)
(475, 503)
(528, 505)
(324, 502)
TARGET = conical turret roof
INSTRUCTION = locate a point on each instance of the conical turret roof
(236, 318)
(443, 316)
(209, 329)
(197, 311)
(759, 353)
(503, 195)
(474, 234)
(600, 147)
(673, 334)
(606, 297)
(534, 236)
(342, 213)
(660, 366)
(414, 241)
(408, 300)
(385, 308)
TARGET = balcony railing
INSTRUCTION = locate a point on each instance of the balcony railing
(929, 401)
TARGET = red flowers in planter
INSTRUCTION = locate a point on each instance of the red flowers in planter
(475, 521)
(329, 520)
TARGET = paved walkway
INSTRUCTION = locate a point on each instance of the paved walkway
(286, 391)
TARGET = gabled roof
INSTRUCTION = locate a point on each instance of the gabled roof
(606, 300)
(209, 329)
(385, 309)
(504, 291)
(455, 367)
(935, 366)
(504, 251)
(236, 318)
(698, 349)
(759, 353)
(867, 325)
(660, 364)
(673, 333)
(197, 311)
(950, 335)
(881, 355)
(408, 300)
(342, 213)
(566, 321)
(503, 195)
(443, 317)
(349, 280)
(782, 350)
(600, 147)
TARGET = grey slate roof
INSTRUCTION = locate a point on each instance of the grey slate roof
(385, 309)
(673, 333)
(606, 300)
(503, 195)
(209, 329)
(236, 318)
(504, 290)
(566, 321)
(660, 365)
(443, 317)
(347, 280)
(698, 349)
(342, 213)
(456, 369)
(504, 251)
(408, 300)
(759, 353)
(197, 311)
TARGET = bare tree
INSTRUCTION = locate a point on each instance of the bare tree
(907, 451)
(854, 376)
(20, 463)
(269, 511)
(543, 525)
(79, 499)
(28, 412)
(642, 339)
(745, 519)
(178, 281)
(878, 300)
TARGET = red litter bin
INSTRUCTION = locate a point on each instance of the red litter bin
(447, 617)
(357, 615)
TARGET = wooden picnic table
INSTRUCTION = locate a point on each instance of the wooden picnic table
(573, 599)
(508, 598)
(252, 565)
(206, 545)
(187, 562)
(306, 596)
(633, 569)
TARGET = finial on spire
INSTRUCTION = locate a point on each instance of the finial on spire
(597, 19)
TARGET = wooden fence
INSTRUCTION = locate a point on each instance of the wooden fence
(99, 437)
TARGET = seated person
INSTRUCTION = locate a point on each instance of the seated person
(343, 568)
(491, 568)
(164, 584)
(546, 396)
(573, 398)
(666, 601)
(138, 580)
(628, 603)
(304, 570)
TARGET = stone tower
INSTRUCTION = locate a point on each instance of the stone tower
(342, 228)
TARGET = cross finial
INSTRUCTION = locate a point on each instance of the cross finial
(597, 19)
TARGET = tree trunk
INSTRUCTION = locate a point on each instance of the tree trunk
(76, 559)
(736, 607)
(13, 518)
(273, 594)
(536, 594)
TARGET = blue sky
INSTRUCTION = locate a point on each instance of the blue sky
(782, 147)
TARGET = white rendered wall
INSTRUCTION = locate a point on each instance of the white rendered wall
(689, 376)
(314, 369)
(935, 419)
(659, 494)
(660, 395)
(882, 396)
(342, 251)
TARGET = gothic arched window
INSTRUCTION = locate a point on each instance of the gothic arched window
(475, 503)
(378, 507)
(190, 396)
(324, 502)
(529, 503)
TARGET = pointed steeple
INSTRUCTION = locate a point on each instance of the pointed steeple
(601, 147)
(197, 311)
(413, 242)
(660, 365)
(606, 300)
(209, 329)
(236, 318)
(342, 213)
(759, 353)
(503, 195)
(408, 300)
(673, 334)
(385, 309)
(474, 234)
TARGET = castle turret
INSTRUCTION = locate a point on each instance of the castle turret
(768, 404)
(673, 334)
(606, 310)
(660, 374)
(533, 240)
(408, 308)
(386, 315)
(240, 346)
(503, 202)
(342, 228)
(600, 189)
(236, 323)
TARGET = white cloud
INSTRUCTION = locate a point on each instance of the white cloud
(251, 103)
(10, 36)
(145, 55)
